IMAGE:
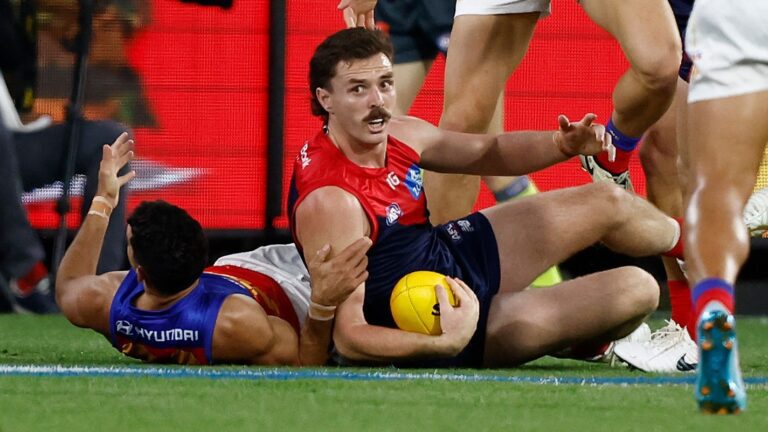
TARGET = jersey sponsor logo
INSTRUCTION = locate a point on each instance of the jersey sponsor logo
(465, 225)
(170, 335)
(450, 228)
(124, 327)
(393, 213)
(414, 181)
(305, 160)
(392, 180)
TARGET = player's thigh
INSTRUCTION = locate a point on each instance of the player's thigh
(542, 230)
(484, 50)
(726, 138)
(645, 29)
(409, 77)
(593, 307)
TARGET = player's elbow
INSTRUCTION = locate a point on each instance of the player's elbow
(346, 346)
(66, 300)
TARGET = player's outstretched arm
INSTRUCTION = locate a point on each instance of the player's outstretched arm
(511, 153)
(332, 282)
(82, 296)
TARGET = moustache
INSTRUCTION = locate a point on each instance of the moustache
(378, 113)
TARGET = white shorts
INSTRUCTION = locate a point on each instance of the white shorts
(728, 43)
(283, 264)
(502, 7)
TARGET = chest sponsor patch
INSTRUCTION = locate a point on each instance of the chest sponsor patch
(414, 181)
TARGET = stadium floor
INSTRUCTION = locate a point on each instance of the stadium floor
(55, 376)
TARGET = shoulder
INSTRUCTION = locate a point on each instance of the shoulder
(329, 198)
(242, 329)
(413, 132)
(86, 302)
(322, 210)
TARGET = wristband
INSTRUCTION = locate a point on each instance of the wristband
(101, 207)
(320, 312)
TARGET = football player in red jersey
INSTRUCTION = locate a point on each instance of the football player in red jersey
(349, 177)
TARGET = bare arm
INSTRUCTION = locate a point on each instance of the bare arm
(332, 283)
(357, 340)
(511, 153)
(331, 216)
(83, 297)
(245, 334)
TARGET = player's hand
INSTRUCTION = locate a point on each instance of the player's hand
(114, 157)
(458, 323)
(583, 138)
(358, 13)
(335, 279)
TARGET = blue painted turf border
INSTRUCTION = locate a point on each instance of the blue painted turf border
(310, 374)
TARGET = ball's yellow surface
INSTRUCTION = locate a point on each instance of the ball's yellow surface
(414, 303)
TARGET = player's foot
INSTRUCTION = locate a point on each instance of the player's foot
(669, 349)
(31, 293)
(641, 334)
(756, 213)
(719, 386)
(599, 174)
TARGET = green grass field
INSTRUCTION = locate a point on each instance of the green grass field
(283, 402)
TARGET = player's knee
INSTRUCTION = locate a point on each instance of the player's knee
(659, 71)
(467, 116)
(640, 289)
(616, 200)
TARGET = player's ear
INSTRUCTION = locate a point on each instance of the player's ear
(324, 98)
(140, 276)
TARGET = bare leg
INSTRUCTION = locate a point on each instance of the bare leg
(484, 51)
(600, 307)
(545, 229)
(727, 138)
(409, 78)
(660, 159)
(648, 36)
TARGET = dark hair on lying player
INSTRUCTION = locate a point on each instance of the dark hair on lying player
(168, 244)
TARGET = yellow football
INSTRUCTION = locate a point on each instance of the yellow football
(414, 303)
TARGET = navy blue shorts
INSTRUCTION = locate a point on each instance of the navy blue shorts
(682, 11)
(472, 244)
(419, 29)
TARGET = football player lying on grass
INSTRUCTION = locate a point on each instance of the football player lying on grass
(249, 308)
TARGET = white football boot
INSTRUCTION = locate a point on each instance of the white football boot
(641, 334)
(669, 349)
(599, 174)
(756, 213)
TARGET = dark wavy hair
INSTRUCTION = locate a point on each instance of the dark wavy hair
(168, 244)
(346, 45)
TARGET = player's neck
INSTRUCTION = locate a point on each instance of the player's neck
(362, 154)
(152, 300)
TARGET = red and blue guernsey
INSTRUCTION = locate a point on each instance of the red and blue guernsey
(183, 332)
(403, 239)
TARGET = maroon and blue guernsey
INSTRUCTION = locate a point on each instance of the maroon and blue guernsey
(403, 239)
(183, 332)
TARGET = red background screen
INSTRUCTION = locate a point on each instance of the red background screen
(205, 75)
